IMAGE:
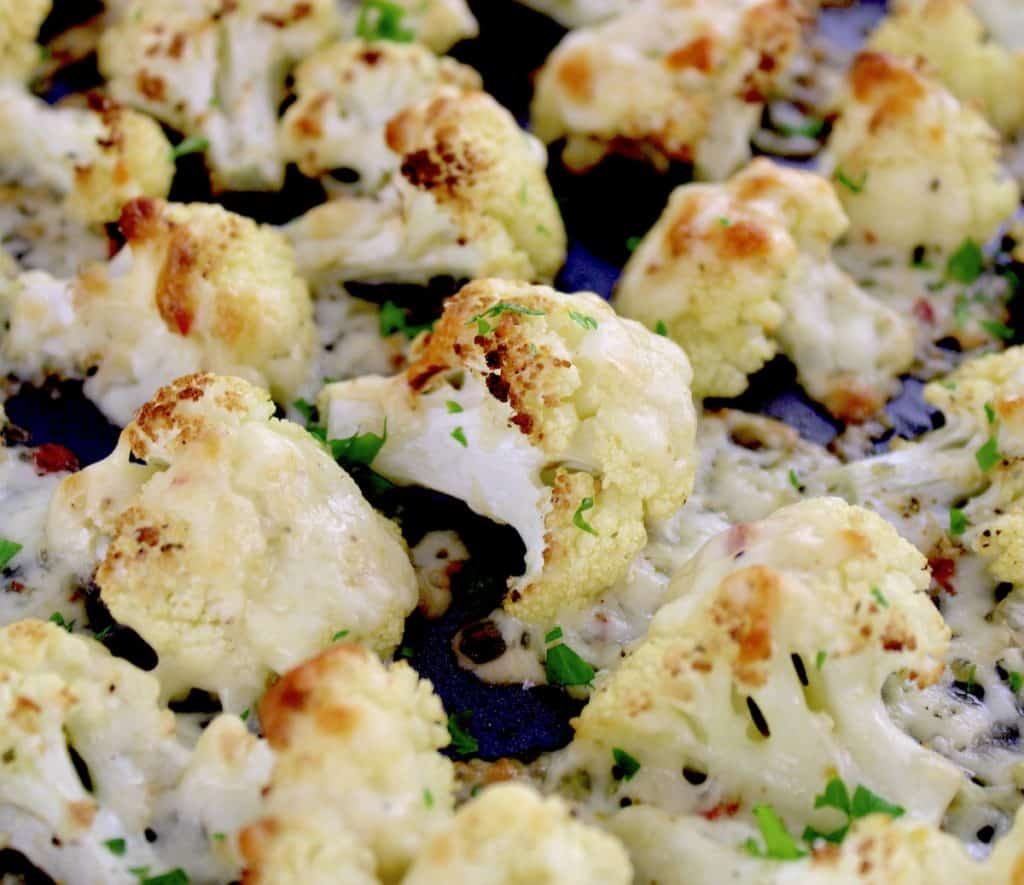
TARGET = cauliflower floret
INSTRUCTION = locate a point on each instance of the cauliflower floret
(195, 288)
(762, 679)
(472, 200)
(90, 759)
(438, 24)
(953, 40)
(216, 71)
(666, 80)
(237, 549)
(878, 850)
(96, 158)
(577, 13)
(19, 24)
(736, 271)
(347, 93)
(914, 166)
(358, 785)
(545, 411)
(510, 835)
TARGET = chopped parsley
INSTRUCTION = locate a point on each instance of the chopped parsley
(588, 322)
(722, 220)
(660, 327)
(194, 144)
(632, 243)
(360, 448)
(428, 798)
(863, 803)
(463, 743)
(819, 660)
(1016, 681)
(244, 715)
(990, 413)
(406, 652)
(382, 20)
(577, 518)
(8, 550)
(104, 633)
(811, 127)
(965, 264)
(553, 635)
(305, 408)
(496, 310)
(565, 667)
(394, 319)
(957, 521)
(794, 481)
(853, 186)
(341, 634)
(988, 455)
(58, 619)
(961, 310)
(778, 843)
(218, 837)
(453, 407)
(997, 329)
(625, 766)
(880, 597)
(115, 846)
(459, 435)
(176, 876)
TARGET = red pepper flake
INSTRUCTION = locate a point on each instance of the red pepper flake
(923, 311)
(54, 458)
(943, 571)
(722, 809)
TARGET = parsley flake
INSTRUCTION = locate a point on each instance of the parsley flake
(880, 597)
(565, 667)
(341, 634)
(625, 766)
(8, 550)
(382, 20)
(463, 743)
(306, 409)
(176, 876)
(778, 843)
(988, 455)
(428, 798)
(853, 186)
(360, 448)
(965, 264)
(394, 319)
(244, 715)
(194, 144)
(819, 660)
(578, 520)
(961, 310)
(794, 481)
(58, 619)
(459, 435)
(553, 635)
(997, 329)
(723, 221)
(811, 127)
(957, 521)
(863, 803)
(115, 846)
(587, 322)
(990, 413)
(660, 328)
(495, 310)
(632, 243)
(1016, 681)
(453, 407)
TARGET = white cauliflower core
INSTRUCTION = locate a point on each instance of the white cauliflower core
(738, 271)
(544, 411)
(238, 548)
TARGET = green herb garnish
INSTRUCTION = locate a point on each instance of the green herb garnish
(587, 322)
(360, 448)
(957, 521)
(8, 550)
(459, 435)
(577, 518)
(194, 144)
(853, 186)
(778, 843)
(880, 597)
(382, 20)
(988, 455)
(565, 667)
(463, 743)
(625, 766)
(965, 264)
(394, 319)
(997, 329)
(453, 407)
(115, 846)
(341, 634)
(58, 619)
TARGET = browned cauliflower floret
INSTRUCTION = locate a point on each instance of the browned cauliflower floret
(735, 272)
(196, 288)
(471, 200)
(237, 548)
(358, 784)
(666, 80)
(913, 166)
(544, 411)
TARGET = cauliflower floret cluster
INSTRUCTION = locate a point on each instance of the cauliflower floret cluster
(345, 96)
(237, 548)
(195, 288)
(19, 24)
(509, 835)
(437, 24)
(913, 165)
(735, 272)
(94, 158)
(216, 72)
(666, 80)
(544, 411)
(357, 771)
(471, 200)
(878, 850)
(953, 40)
(761, 680)
(90, 761)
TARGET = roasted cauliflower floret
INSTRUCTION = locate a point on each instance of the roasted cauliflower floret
(472, 200)
(913, 166)
(510, 835)
(358, 785)
(195, 288)
(91, 762)
(95, 159)
(953, 40)
(878, 850)
(666, 80)
(347, 93)
(216, 72)
(19, 24)
(545, 411)
(735, 272)
(238, 548)
(438, 24)
(762, 676)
